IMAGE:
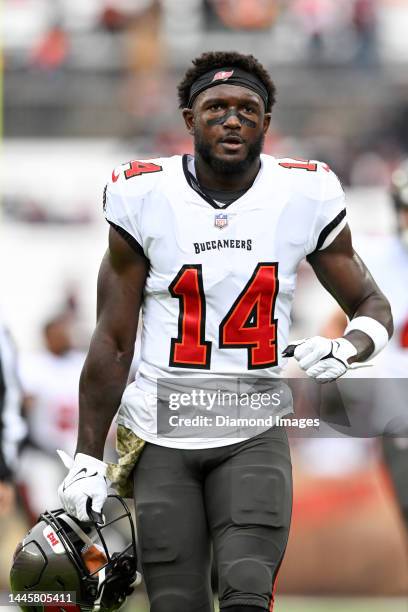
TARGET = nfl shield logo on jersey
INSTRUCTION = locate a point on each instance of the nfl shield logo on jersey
(221, 220)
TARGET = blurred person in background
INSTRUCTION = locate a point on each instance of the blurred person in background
(12, 426)
(343, 493)
(50, 379)
(387, 257)
(144, 55)
(165, 250)
(340, 32)
(246, 14)
(364, 23)
(317, 18)
(12, 432)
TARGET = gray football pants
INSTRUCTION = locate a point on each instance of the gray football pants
(237, 497)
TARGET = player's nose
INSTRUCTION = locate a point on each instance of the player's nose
(232, 120)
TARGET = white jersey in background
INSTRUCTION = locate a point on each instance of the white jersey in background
(219, 291)
(51, 382)
(387, 259)
(12, 425)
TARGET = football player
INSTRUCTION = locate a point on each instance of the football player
(12, 424)
(50, 379)
(396, 448)
(209, 245)
(388, 260)
(12, 432)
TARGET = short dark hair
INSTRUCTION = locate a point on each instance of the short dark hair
(223, 59)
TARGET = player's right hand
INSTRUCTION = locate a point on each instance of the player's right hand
(323, 359)
(84, 490)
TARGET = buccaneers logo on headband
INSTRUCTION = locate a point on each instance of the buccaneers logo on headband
(223, 75)
(233, 76)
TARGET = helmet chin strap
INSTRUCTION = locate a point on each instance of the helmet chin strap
(101, 586)
(75, 527)
(88, 542)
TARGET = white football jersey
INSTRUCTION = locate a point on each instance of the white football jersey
(12, 424)
(52, 382)
(219, 291)
(387, 260)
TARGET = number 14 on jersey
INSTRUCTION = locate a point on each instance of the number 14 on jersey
(248, 324)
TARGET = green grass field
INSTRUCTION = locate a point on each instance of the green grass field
(301, 604)
(312, 604)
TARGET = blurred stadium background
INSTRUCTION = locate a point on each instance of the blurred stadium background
(87, 85)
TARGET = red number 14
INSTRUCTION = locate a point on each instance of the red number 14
(249, 324)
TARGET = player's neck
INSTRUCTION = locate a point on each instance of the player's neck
(211, 179)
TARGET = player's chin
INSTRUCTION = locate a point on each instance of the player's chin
(231, 159)
(229, 164)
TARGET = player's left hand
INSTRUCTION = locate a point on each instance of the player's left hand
(321, 358)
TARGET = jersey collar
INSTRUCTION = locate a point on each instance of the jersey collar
(201, 195)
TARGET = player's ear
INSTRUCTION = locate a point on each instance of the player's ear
(188, 117)
(267, 122)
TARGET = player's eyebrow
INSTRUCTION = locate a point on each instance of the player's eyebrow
(245, 99)
(212, 101)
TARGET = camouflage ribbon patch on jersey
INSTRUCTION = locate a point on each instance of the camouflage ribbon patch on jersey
(129, 447)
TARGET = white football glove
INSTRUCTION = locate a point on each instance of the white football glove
(84, 490)
(322, 358)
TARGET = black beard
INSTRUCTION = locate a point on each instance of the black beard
(226, 167)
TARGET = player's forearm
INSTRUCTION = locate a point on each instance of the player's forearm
(377, 307)
(102, 383)
(342, 272)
